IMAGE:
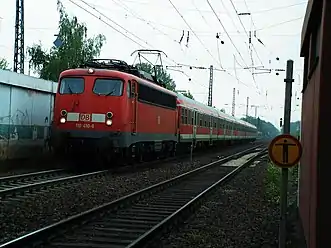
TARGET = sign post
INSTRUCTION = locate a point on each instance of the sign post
(285, 151)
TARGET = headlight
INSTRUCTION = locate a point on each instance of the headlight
(109, 122)
(63, 120)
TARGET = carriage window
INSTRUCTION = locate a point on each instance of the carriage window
(151, 95)
(71, 85)
(186, 114)
(108, 87)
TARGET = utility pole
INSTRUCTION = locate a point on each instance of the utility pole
(233, 101)
(210, 90)
(247, 104)
(286, 130)
(19, 38)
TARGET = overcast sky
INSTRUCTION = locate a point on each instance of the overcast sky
(158, 24)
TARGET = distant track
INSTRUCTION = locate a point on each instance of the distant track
(18, 185)
(137, 219)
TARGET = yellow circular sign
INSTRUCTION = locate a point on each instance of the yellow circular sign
(285, 151)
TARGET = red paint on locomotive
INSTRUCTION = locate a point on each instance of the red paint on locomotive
(139, 111)
(119, 112)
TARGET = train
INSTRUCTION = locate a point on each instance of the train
(115, 111)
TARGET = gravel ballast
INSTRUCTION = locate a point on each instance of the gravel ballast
(237, 216)
(26, 215)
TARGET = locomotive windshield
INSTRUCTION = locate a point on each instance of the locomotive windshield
(108, 87)
(71, 85)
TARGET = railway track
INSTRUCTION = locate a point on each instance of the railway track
(13, 187)
(137, 219)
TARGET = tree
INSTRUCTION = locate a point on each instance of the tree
(161, 75)
(295, 128)
(75, 49)
(4, 65)
(266, 128)
(188, 94)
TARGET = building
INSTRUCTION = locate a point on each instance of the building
(315, 183)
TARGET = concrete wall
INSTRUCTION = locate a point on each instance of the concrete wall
(26, 105)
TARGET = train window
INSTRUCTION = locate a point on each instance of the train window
(128, 89)
(154, 96)
(71, 85)
(186, 115)
(182, 115)
(108, 87)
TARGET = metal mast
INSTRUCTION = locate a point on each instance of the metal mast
(210, 91)
(247, 107)
(233, 101)
(19, 38)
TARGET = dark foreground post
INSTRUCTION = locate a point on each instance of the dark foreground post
(286, 130)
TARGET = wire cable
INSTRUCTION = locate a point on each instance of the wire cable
(109, 19)
(227, 33)
(237, 14)
(100, 19)
(280, 23)
(135, 15)
(79, 6)
(193, 31)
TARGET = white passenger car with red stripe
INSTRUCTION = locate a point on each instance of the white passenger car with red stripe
(202, 123)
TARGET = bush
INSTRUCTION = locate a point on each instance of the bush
(272, 182)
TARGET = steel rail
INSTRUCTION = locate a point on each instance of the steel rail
(12, 191)
(190, 207)
(28, 175)
(147, 226)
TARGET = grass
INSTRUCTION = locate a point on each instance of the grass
(272, 182)
(273, 179)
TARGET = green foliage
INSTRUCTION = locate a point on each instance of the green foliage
(266, 128)
(161, 75)
(4, 65)
(295, 128)
(75, 50)
(188, 94)
(272, 183)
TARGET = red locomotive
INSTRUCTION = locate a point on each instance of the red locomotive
(116, 111)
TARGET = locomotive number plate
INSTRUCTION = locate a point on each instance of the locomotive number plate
(84, 125)
(85, 117)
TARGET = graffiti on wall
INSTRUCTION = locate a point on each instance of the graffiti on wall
(18, 130)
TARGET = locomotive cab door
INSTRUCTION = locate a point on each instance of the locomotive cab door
(134, 106)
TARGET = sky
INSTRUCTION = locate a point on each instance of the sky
(129, 25)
